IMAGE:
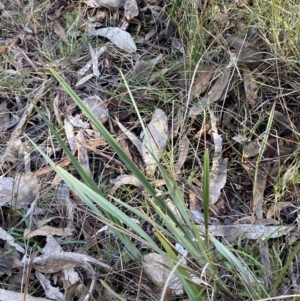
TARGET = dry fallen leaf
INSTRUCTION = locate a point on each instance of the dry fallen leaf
(274, 210)
(218, 173)
(243, 231)
(247, 53)
(259, 187)
(48, 230)
(98, 107)
(125, 180)
(117, 36)
(155, 267)
(10, 240)
(70, 135)
(60, 31)
(143, 68)
(214, 94)
(4, 116)
(50, 291)
(83, 157)
(6, 295)
(131, 137)
(154, 140)
(131, 9)
(250, 86)
(183, 152)
(58, 261)
(94, 59)
(18, 192)
(202, 81)
(90, 63)
(105, 3)
(84, 80)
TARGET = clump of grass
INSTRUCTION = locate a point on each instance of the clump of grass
(233, 272)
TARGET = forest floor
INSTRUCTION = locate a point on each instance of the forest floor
(150, 150)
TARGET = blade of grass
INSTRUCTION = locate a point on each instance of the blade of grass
(111, 141)
(189, 286)
(206, 193)
(82, 172)
(112, 291)
(90, 197)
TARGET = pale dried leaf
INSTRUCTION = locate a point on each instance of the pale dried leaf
(16, 152)
(283, 120)
(48, 230)
(84, 80)
(78, 291)
(250, 86)
(126, 180)
(94, 61)
(274, 210)
(218, 173)
(10, 240)
(246, 52)
(155, 267)
(88, 65)
(77, 121)
(58, 261)
(251, 149)
(178, 121)
(105, 3)
(220, 85)
(151, 33)
(50, 291)
(243, 231)
(183, 152)
(197, 216)
(173, 208)
(4, 117)
(51, 245)
(60, 31)
(83, 157)
(157, 74)
(239, 138)
(265, 261)
(131, 137)
(205, 128)
(98, 107)
(214, 94)
(202, 81)
(6, 295)
(70, 134)
(155, 140)
(176, 44)
(131, 9)
(117, 36)
(18, 192)
(259, 188)
(143, 68)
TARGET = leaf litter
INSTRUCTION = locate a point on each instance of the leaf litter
(150, 54)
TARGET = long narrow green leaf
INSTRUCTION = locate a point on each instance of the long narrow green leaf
(115, 216)
(82, 172)
(189, 286)
(111, 141)
(206, 192)
(112, 291)
(235, 262)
